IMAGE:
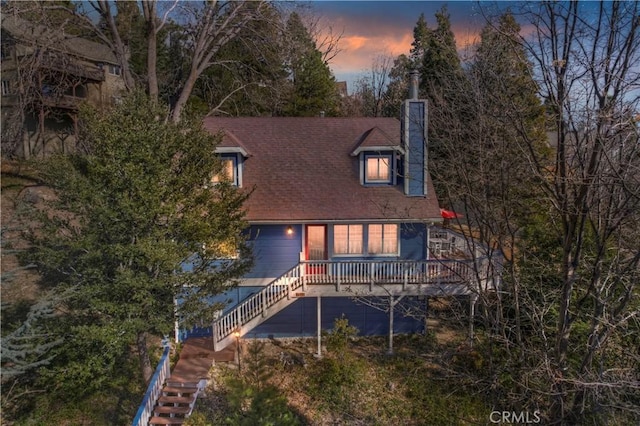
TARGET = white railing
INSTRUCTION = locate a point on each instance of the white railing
(258, 303)
(162, 373)
(387, 272)
(348, 272)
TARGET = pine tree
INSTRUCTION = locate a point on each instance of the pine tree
(420, 43)
(135, 225)
(314, 89)
(440, 61)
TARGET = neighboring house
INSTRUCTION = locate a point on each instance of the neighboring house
(46, 76)
(340, 208)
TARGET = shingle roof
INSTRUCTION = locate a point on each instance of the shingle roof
(58, 40)
(377, 139)
(302, 170)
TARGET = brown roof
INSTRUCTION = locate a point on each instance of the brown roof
(58, 40)
(302, 170)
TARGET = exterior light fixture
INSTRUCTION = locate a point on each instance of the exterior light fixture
(289, 230)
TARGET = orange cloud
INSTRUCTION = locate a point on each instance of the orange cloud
(353, 42)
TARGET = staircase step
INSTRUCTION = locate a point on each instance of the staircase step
(170, 409)
(178, 384)
(166, 421)
(164, 400)
(179, 390)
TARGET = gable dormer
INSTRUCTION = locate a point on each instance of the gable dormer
(378, 157)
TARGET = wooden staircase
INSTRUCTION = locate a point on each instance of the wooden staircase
(175, 403)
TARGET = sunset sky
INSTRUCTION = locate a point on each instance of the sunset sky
(373, 28)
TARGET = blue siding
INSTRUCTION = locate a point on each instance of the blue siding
(413, 241)
(416, 146)
(299, 319)
(274, 251)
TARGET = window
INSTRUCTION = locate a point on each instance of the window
(383, 239)
(227, 173)
(347, 239)
(115, 70)
(6, 87)
(378, 169)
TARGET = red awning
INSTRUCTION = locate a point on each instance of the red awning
(448, 214)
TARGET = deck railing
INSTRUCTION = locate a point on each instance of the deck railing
(387, 272)
(348, 272)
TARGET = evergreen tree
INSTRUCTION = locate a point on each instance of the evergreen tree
(134, 226)
(314, 89)
(440, 61)
(420, 43)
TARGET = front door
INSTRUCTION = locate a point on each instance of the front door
(316, 248)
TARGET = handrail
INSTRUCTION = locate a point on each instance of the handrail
(162, 373)
(255, 304)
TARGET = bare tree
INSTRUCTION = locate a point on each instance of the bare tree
(371, 88)
(564, 216)
(588, 68)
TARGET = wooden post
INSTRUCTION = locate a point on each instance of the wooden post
(472, 311)
(319, 320)
(391, 306)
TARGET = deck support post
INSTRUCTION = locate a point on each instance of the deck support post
(214, 329)
(473, 298)
(392, 304)
(319, 322)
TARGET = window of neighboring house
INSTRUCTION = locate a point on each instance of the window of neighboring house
(382, 239)
(115, 70)
(228, 172)
(6, 87)
(347, 239)
(378, 169)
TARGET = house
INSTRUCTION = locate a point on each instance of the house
(46, 76)
(342, 209)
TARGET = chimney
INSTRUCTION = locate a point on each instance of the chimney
(414, 140)
(414, 82)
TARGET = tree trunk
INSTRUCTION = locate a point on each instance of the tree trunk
(149, 11)
(143, 353)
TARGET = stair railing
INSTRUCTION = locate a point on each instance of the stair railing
(162, 373)
(258, 303)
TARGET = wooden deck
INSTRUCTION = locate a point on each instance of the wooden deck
(197, 357)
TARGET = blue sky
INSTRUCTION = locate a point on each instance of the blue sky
(372, 28)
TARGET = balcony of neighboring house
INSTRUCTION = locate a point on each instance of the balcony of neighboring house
(70, 99)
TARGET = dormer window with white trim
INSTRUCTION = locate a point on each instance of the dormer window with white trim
(378, 168)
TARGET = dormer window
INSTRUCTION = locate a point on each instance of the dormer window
(378, 168)
(229, 172)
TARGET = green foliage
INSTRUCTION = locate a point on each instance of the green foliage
(314, 88)
(338, 338)
(252, 399)
(132, 223)
(335, 378)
